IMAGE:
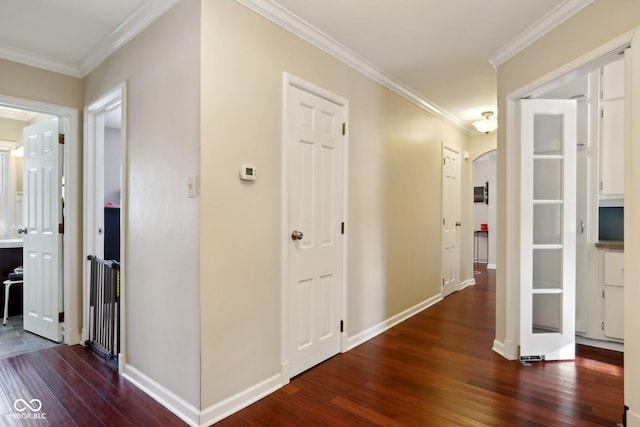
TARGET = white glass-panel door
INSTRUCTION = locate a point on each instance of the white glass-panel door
(548, 229)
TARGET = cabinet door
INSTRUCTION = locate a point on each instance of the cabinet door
(612, 149)
(613, 80)
(614, 295)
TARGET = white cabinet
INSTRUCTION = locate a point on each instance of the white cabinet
(613, 295)
(612, 131)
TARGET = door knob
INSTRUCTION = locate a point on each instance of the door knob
(22, 230)
(297, 235)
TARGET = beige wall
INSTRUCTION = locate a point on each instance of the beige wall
(162, 69)
(394, 195)
(595, 26)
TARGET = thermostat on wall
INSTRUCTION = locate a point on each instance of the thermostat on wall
(248, 173)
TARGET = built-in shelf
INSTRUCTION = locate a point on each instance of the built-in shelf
(547, 246)
(547, 202)
(546, 291)
(548, 157)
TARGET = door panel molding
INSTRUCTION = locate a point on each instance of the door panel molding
(290, 82)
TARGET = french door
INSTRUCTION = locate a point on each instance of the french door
(548, 229)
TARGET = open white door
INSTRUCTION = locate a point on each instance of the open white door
(315, 190)
(42, 242)
(548, 229)
(450, 220)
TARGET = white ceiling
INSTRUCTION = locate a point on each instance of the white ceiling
(439, 53)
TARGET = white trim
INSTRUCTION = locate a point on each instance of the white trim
(498, 347)
(117, 95)
(511, 180)
(607, 345)
(140, 19)
(174, 403)
(385, 325)
(491, 267)
(297, 26)
(289, 81)
(241, 400)
(71, 122)
(536, 31)
(467, 283)
(633, 419)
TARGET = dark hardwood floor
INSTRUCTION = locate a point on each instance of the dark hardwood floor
(435, 369)
(73, 387)
(438, 369)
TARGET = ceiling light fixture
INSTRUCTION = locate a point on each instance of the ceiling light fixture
(487, 124)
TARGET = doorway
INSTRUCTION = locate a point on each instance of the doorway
(104, 243)
(584, 86)
(64, 316)
(314, 216)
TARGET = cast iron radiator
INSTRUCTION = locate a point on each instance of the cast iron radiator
(104, 308)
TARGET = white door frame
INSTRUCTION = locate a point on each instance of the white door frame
(509, 348)
(288, 82)
(458, 228)
(91, 112)
(71, 295)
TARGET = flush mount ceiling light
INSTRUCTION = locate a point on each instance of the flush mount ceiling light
(487, 124)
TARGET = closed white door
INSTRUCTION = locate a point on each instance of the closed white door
(450, 220)
(42, 242)
(315, 164)
(548, 229)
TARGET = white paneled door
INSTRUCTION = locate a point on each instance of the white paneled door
(548, 229)
(42, 242)
(314, 143)
(450, 220)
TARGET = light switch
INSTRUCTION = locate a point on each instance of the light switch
(192, 190)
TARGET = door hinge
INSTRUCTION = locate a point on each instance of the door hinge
(443, 282)
(600, 185)
(344, 128)
(443, 223)
(603, 294)
(61, 317)
(602, 114)
(444, 161)
(342, 326)
(602, 326)
(61, 228)
(342, 228)
(61, 138)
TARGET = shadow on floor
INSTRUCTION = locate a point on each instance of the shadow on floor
(14, 340)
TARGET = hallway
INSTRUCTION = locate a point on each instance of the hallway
(435, 369)
(438, 369)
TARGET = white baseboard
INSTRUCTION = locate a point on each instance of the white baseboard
(633, 419)
(223, 409)
(467, 283)
(72, 336)
(491, 266)
(385, 325)
(181, 408)
(607, 345)
(498, 347)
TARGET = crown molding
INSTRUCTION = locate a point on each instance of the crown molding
(146, 14)
(140, 19)
(38, 61)
(543, 26)
(299, 27)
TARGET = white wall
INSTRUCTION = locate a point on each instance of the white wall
(162, 69)
(112, 165)
(484, 170)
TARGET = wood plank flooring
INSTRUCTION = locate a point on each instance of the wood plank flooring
(435, 369)
(438, 369)
(74, 388)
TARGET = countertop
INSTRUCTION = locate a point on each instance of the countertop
(610, 244)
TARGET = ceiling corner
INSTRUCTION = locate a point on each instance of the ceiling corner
(144, 16)
(547, 23)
